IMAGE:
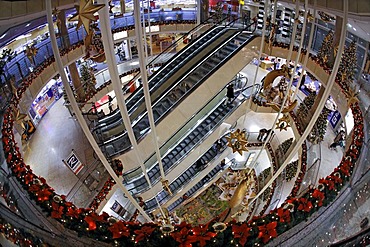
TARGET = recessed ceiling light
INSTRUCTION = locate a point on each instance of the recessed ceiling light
(355, 29)
(28, 24)
(349, 25)
(2, 36)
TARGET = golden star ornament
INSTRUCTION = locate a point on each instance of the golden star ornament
(85, 13)
(283, 123)
(237, 142)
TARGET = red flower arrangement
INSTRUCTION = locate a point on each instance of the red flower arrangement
(143, 233)
(267, 231)
(241, 232)
(119, 229)
(305, 205)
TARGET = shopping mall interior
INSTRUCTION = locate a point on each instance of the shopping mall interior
(184, 123)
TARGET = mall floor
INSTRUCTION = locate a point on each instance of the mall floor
(58, 134)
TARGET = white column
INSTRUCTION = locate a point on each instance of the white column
(144, 78)
(199, 8)
(259, 53)
(126, 49)
(78, 113)
(308, 47)
(321, 105)
(116, 83)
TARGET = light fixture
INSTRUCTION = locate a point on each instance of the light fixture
(355, 29)
(28, 24)
(2, 36)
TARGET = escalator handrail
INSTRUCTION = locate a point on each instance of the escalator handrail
(157, 100)
(174, 146)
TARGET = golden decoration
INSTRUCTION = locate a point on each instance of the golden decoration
(19, 117)
(351, 96)
(31, 52)
(85, 13)
(283, 123)
(55, 12)
(310, 17)
(166, 186)
(237, 142)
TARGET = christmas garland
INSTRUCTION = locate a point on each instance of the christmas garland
(259, 230)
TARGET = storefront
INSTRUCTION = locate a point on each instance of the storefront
(52, 91)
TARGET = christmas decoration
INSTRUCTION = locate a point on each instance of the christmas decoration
(237, 141)
(291, 170)
(165, 186)
(31, 52)
(283, 123)
(88, 80)
(282, 149)
(348, 64)
(256, 232)
(325, 17)
(319, 129)
(85, 14)
(6, 56)
(351, 96)
(305, 107)
(326, 48)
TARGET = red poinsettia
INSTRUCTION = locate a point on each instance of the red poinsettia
(267, 231)
(183, 236)
(74, 212)
(28, 177)
(202, 235)
(57, 210)
(119, 229)
(143, 233)
(284, 215)
(93, 218)
(44, 195)
(241, 232)
(304, 205)
(328, 182)
(320, 196)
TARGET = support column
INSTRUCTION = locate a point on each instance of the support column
(79, 116)
(199, 9)
(72, 68)
(144, 77)
(122, 4)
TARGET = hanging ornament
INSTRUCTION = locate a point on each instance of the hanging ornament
(85, 13)
(237, 142)
(55, 12)
(167, 229)
(31, 52)
(283, 123)
(166, 186)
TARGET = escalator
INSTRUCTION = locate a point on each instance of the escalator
(188, 175)
(162, 80)
(183, 87)
(181, 57)
(193, 138)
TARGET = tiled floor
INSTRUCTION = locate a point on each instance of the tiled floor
(57, 134)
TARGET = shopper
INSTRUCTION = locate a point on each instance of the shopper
(261, 134)
(110, 104)
(230, 93)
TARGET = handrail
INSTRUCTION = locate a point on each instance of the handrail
(137, 176)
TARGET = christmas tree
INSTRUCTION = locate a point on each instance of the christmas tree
(291, 170)
(88, 80)
(326, 48)
(348, 64)
(319, 129)
(282, 150)
(305, 107)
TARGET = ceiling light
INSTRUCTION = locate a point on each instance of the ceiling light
(355, 29)
(29, 23)
(349, 25)
(2, 36)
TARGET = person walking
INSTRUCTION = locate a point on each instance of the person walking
(110, 104)
(261, 134)
(230, 93)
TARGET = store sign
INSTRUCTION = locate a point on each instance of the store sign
(334, 120)
(74, 163)
(120, 35)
